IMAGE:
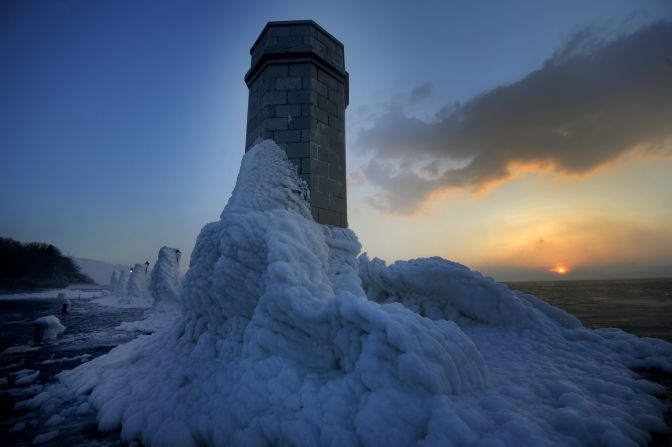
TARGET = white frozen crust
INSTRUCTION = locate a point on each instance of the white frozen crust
(164, 284)
(113, 281)
(137, 283)
(443, 290)
(121, 288)
(50, 327)
(278, 344)
(268, 181)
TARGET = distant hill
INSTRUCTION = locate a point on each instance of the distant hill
(36, 265)
(100, 271)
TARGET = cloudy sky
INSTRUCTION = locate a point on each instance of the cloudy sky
(514, 137)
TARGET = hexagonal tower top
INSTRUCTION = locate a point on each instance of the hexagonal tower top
(298, 95)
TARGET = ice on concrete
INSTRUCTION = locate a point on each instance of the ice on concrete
(25, 377)
(137, 283)
(47, 328)
(130, 290)
(164, 284)
(81, 358)
(122, 284)
(43, 438)
(124, 302)
(164, 289)
(443, 290)
(281, 343)
(113, 281)
(154, 319)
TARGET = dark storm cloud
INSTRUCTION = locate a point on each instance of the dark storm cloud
(587, 105)
(421, 92)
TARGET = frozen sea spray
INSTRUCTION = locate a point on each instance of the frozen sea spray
(114, 279)
(47, 329)
(137, 283)
(164, 284)
(443, 290)
(121, 287)
(279, 345)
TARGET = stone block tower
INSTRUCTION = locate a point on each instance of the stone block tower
(298, 95)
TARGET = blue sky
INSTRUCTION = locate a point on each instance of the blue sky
(122, 123)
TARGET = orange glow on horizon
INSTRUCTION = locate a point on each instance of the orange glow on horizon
(560, 269)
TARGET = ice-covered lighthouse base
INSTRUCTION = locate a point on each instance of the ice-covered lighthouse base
(279, 344)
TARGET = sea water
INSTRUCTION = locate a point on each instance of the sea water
(640, 306)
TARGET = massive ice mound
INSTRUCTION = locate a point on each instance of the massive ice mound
(267, 275)
(164, 283)
(278, 344)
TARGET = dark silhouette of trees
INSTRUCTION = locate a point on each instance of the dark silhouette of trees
(36, 265)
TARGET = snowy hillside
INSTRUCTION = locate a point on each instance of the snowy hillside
(287, 337)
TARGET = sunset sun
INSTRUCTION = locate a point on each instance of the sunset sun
(560, 269)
